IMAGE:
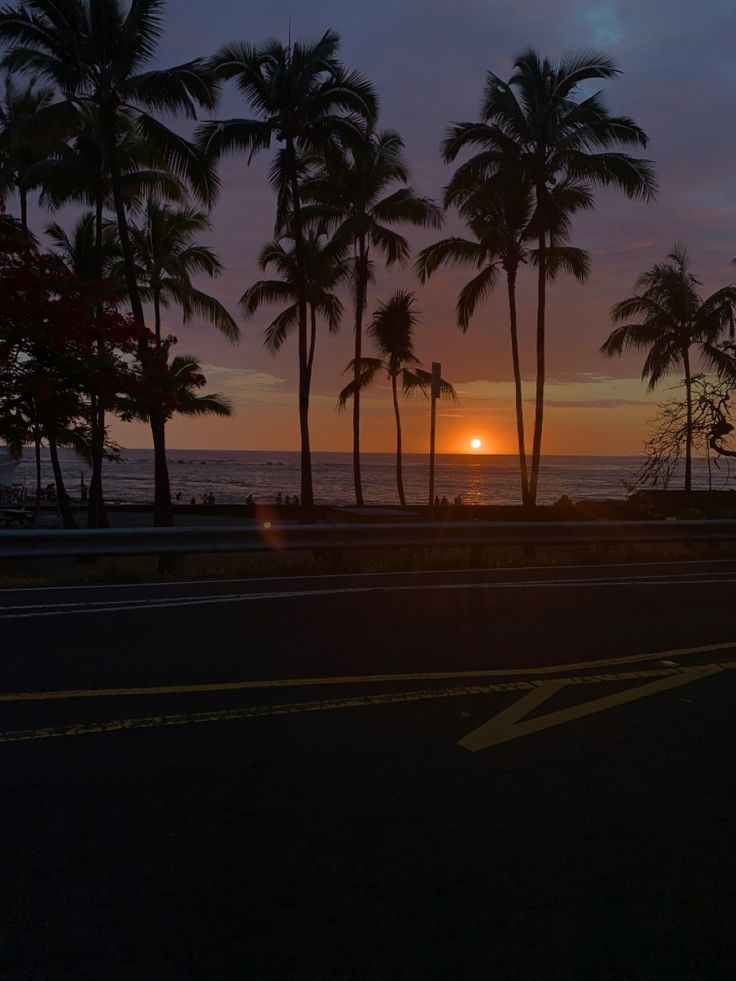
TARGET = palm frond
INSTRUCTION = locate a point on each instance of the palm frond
(182, 157)
(448, 251)
(263, 292)
(369, 368)
(479, 288)
(565, 259)
(219, 139)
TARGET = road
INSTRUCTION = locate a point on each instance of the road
(510, 774)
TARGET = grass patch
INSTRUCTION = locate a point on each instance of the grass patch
(89, 572)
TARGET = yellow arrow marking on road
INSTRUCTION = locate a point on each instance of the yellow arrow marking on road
(507, 725)
(538, 691)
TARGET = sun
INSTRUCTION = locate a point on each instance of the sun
(476, 443)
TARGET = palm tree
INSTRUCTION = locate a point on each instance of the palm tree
(667, 317)
(305, 99)
(365, 193)
(96, 54)
(17, 158)
(90, 252)
(77, 172)
(538, 124)
(326, 269)
(392, 332)
(503, 234)
(166, 257)
(181, 377)
(11, 229)
(174, 383)
(78, 250)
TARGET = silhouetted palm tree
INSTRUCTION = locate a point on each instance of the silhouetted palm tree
(361, 192)
(667, 317)
(12, 230)
(96, 53)
(166, 257)
(537, 123)
(78, 250)
(18, 157)
(503, 233)
(174, 383)
(305, 99)
(326, 269)
(182, 378)
(90, 252)
(392, 333)
(77, 171)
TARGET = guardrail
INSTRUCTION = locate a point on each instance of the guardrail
(41, 544)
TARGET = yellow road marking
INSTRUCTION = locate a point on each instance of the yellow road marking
(507, 725)
(508, 720)
(46, 696)
(671, 676)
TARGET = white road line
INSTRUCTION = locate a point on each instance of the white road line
(366, 575)
(144, 601)
(120, 606)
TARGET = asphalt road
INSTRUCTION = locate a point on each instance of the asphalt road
(455, 776)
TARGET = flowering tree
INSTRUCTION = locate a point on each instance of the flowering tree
(50, 323)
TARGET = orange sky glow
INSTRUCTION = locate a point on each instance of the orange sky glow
(429, 71)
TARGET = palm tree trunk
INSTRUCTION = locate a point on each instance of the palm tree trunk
(96, 514)
(163, 512)
(98, 235)
(37, 455)
(65, 506)
(689, 425)
(122, 219)
(23, 196)
(399, 474)
(312, 342)
(539, 396)
(361, 288)
(157, 317)
(307, 493)
(511, 285)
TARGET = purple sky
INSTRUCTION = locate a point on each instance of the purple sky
(427, 60)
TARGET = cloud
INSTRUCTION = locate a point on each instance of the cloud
(240, 379)
(624, 249)
(247, 387)
(586, 390)
(604, 21)
(591, 403)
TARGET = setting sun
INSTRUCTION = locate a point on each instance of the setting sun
(476, 443)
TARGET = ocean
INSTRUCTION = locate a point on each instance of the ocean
(232, 475)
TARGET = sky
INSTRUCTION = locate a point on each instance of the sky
(428, 59)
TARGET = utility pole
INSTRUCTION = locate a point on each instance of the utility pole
(434, 395)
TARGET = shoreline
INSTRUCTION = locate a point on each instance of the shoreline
(640, 506)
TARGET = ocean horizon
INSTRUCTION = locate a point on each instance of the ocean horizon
(233, 475)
